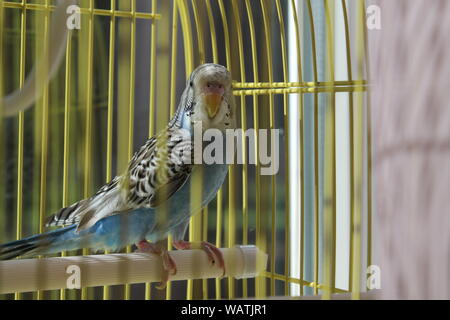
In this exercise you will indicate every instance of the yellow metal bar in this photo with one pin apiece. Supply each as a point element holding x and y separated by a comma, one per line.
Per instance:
<point>130,144</point>
<point>67,110</point>
<point>300,84</point>
<point>302,282</point>
<point>172,101</point>
<point>185,19</point>
<point>219,215</point>
<point>43,104</point>
<point>174,56</point>
<point>200,36</point>
<point>87,11</point>
<point>201,56</point>
<point>237,20</point>
<point>301,148</point>
<point>287,151</point>
<point>351,142</point>
<point>260,284</point>
<point>205,238</point>
<point>123,102</point>
<point>316,152</point>
<point>196,186</point>
<point>212,28</point>
<point>299,90</point>
<point>161,75</point>
<point>20,146</point>
<point>329,207</point>
<point>132,81</point>
<point>226,33</point>
<point>267,33</point>
<point>2,131</point>
<point>109,132</point>
<point>231,168</point>
<point>88,117</point>
<point>151,124</point>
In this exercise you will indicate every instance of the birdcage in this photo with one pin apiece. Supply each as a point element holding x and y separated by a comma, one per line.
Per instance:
<point>297,65</point>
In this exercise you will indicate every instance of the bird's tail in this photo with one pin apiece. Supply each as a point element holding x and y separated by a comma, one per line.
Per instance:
<point>34,245</point>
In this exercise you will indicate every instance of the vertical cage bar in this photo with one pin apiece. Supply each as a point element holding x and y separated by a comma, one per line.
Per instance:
<point>266,23</point>
<point>20,133</point>
<point>301,144</point>
<point>205,238</point>
<point>287,153</point>
<point>237,20</point>
<point>260,281</point>
<point>199,29</point>
<point>131,104</point>
<point>123,104</point>
<point>43,105</point>
<point>329,265</point>
<point>219,215</point>
<point>316,153</point>
<point>212,28</point>
<point>197,183</point>
<point>66,152</point>
<point>201,57</point>
<point>88,117</point>
<point>231,168</point>
<point>173,64</point>
<point>110,106</point>
<point>151,125</point>
<point>351,137</point>
<point>2,128</point>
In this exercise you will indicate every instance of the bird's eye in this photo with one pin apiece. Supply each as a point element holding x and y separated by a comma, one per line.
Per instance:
<point>191,84</point>
<point>209,85</point>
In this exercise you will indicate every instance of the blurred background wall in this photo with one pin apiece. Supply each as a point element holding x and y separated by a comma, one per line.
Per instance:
<point>411,130</point>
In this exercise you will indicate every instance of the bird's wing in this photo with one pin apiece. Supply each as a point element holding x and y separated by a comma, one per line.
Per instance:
<point>72,214</point>
<point>153,175</point>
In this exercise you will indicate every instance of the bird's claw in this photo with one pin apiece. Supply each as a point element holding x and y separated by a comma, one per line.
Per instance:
<point>169,265</point>
<point>213,253</point>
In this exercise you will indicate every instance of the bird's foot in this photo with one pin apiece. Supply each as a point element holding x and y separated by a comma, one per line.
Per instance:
<point>169,265</point>
<point>213,253</point>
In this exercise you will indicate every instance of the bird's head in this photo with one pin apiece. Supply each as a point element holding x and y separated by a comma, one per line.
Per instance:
<point>210,87</point>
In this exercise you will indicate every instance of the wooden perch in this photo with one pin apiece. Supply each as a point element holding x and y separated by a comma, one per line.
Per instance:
<point>111,269</point>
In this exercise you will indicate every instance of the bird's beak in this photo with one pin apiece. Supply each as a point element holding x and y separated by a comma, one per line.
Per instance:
<point>213,101</point>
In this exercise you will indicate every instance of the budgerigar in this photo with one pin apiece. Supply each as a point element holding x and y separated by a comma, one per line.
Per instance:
<point>152,199</point>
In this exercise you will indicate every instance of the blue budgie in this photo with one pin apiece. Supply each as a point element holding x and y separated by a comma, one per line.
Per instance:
<point>152,198</point>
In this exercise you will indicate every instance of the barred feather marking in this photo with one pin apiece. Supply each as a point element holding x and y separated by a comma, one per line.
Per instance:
<point>165,170</point>
<point>71,214</point>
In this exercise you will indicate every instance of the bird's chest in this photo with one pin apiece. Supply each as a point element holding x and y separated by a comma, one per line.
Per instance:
<point>200,188</point>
